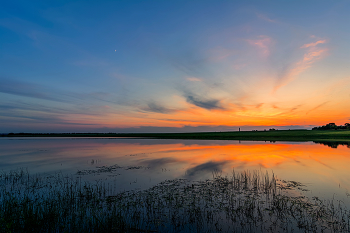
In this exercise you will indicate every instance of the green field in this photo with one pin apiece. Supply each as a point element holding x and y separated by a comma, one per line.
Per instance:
<point>277,135</point>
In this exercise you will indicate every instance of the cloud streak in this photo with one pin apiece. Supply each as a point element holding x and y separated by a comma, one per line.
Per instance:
<point>263,43</point>
<point>312,55</point>
<point>317,107</point>
<point>208,104</point>
<point>26,90</point>
<point>157,108</point>
<point>219,54</point>
<point>264,17</point>
<point>37,91</point>
<point>313,44</point>
<point>194,79</point>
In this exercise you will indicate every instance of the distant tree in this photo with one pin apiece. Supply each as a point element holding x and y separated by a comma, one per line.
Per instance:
<point>347,125</point>
<point>332,126</point>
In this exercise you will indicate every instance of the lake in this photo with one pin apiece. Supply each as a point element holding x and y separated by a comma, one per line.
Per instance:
<point>136,164</point>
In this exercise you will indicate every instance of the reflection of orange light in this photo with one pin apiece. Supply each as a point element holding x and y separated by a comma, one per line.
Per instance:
<point>265,155</point>
<point>299,161</point>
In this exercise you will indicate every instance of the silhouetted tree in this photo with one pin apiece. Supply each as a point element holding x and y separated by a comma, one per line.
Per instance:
<point>332,126</point>
<point>347,125</point>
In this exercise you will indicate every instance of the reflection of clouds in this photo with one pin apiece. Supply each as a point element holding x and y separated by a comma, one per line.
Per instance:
<point>155,163</point>
<point>262,165</point>
<point>324,164</point>
<point>299,162</point>
<point>205,168</point>
<point>243,165</point>
<point>181,150</point>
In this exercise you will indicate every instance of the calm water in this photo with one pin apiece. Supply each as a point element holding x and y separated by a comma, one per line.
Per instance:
<point>142,163</point>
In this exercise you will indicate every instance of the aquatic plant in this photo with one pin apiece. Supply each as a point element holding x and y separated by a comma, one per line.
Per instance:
<point>249,201</point>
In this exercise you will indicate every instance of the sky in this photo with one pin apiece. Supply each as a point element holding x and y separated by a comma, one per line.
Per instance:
<point>173,66</point>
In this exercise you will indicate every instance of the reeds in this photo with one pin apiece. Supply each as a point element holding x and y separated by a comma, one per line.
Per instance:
<point>248,201</point>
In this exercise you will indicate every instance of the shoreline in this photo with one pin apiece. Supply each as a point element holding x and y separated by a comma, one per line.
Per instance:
<point>276,135</point>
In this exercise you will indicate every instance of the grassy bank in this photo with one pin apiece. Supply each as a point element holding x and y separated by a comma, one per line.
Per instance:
<point>277,135</point>
<point>248,201</point>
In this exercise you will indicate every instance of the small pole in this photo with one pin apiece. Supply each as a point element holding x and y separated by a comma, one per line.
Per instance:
<point>239,129</point>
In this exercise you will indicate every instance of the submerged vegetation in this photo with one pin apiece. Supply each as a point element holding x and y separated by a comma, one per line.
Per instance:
<point>249,201</point>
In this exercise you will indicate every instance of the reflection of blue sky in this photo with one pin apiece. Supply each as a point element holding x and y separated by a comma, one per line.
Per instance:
<point>160,163</point>
<point>126,59</point>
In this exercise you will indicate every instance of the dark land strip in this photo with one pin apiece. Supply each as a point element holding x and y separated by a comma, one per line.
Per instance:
<point>275,135</point>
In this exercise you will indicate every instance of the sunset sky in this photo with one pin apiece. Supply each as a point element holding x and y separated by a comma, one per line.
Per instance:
<point>172,66</point>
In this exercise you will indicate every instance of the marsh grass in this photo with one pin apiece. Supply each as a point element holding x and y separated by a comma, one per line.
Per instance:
<point>249,201</point>
<point>112,170</point>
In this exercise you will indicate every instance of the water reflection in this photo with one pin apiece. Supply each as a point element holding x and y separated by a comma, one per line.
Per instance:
<point>142,163</point>
<point>334,144</point>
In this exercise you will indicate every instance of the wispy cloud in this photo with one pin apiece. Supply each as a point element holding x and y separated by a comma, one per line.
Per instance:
<point>263,43</point>
<point>212,96</point>
<point>156,129</point>
<point>187,60</point>
<point>266,18</point>
<point>295,108</point>
<point>313,44</point>
<point>180,120</point>
<point>312,54</point>
<point>47,93</point>
<point>157,108</point>
<point>42,118</point>
<point>317,107</point>
<point>193,79</point>
<point>27,90</point>
<point>209,104</point>
<point>259,105</point>
<point>219,53</point>
<point>239,66</point>
<point>336,86</point>
<point>48,105</point>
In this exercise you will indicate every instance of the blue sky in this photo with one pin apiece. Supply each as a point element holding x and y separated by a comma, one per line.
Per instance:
<point>174,65</point>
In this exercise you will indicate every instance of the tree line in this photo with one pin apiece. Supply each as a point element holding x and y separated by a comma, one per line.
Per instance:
<point>333,126</point>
